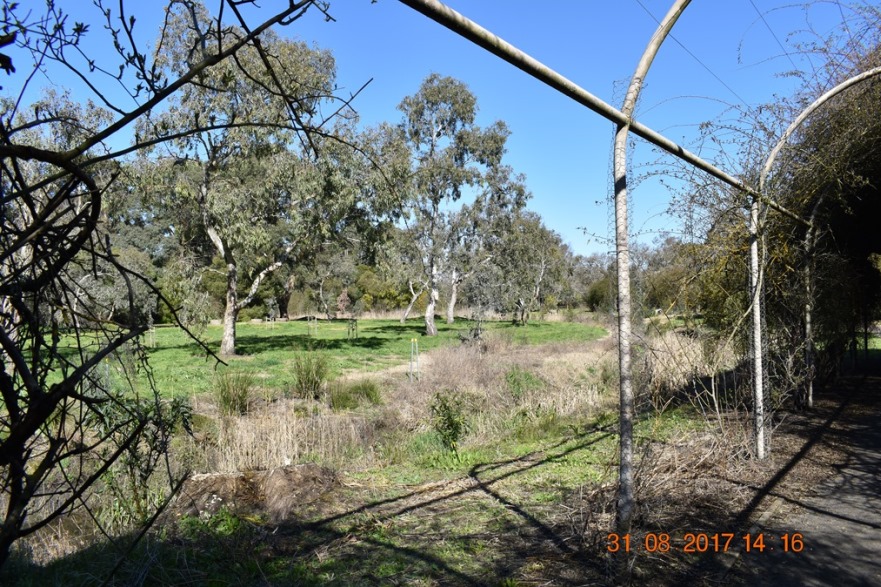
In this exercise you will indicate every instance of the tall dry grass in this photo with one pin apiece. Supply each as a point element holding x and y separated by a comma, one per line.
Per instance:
<point>679,361</point>
<point>570,381</point>
<point>282,434</point>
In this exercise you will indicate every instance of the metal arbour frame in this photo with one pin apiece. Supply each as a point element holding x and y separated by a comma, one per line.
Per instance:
<point>470,30</point>
<point>810,234</point>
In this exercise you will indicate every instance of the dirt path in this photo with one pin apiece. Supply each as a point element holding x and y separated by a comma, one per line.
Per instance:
<point>840,520</point>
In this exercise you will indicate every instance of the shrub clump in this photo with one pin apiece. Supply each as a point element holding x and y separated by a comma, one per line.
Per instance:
<point>350,395</point>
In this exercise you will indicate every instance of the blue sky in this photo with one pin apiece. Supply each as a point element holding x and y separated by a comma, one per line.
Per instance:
<point>724,52</point>
<point>562,148</point>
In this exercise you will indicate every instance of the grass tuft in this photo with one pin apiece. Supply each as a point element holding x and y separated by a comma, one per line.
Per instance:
<point>311,371</point>
<point>350,395</point>
<point>233,392</point>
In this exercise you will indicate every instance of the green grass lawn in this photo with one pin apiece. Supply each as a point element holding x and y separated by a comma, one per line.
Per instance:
<point>268,350</point>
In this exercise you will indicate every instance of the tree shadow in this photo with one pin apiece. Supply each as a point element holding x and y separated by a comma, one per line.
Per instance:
<point>525,538</point>
<point>363,544</point>
<point>839,519</point>
<point>253,345</point>
<point>409,327</point>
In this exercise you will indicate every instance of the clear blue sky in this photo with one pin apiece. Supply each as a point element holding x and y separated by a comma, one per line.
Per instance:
<point>724,52</point>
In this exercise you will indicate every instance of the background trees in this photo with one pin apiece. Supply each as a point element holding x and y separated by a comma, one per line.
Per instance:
<point>533,264</point>
<point>449,154</point>
<point>64,423</point>
<point>233,168</point>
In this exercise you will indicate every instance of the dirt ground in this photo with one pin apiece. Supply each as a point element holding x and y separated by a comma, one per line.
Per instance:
<point>840,519</point>
<point>820,487</point>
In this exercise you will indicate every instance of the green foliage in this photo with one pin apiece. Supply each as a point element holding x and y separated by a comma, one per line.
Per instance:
<point>379,293</point>
<point>521,382</point>
<point>350,395</point>
<point>600,295</point>
<point>233,392</point>
<point>311,372</point>
<point>536,426</point>
<point>223,524</point>
<point>449,420</point>
<point>532,260</point>
<point>255,311</point>
<point>182,285</point>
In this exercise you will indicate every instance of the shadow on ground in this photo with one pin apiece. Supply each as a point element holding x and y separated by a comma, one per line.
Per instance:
<point>840,521</point>
<point>467,531</point>
<point>478,529</point>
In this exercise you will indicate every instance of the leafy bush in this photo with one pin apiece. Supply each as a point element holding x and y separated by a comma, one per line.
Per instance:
<point>349,395</point>
<point>448,420</point>
<point>233,390</point>
<point>252,312</point>
<point>311,371</point>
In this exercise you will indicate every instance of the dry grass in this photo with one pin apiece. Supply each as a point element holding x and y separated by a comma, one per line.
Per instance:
<point>283,434</point>
<point>676,361</point>
<point>569,381</point>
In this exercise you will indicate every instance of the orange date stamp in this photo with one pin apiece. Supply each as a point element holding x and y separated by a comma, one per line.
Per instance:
<point>705,542</point>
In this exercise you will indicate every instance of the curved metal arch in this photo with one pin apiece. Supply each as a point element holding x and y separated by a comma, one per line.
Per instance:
<point>810,234</point>
<point>626,501</point>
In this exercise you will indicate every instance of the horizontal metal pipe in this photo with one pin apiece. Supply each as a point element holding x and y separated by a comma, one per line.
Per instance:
<point>446,16</point>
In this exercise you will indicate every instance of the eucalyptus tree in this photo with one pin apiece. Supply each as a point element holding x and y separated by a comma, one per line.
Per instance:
<point>239,177</point>
<point>534,264</point>
<point>477,231</point>
<point>64,423</point>
<point>450,153</point>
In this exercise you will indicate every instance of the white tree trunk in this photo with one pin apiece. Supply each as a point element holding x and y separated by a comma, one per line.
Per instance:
<point>231,312</point>
<point>430,327</point>
<point>454,294</point>
<point>414,295</point>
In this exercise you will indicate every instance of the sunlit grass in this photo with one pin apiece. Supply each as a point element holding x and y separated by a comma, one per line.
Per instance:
<point>268,351</point>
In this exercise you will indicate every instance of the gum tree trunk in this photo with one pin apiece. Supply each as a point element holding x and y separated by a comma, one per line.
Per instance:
<point>454,294</point>
<point>231,312</point>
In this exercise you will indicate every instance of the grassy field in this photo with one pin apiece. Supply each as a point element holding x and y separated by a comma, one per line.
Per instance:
<point>268,350</point>
<point>376,497</point>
